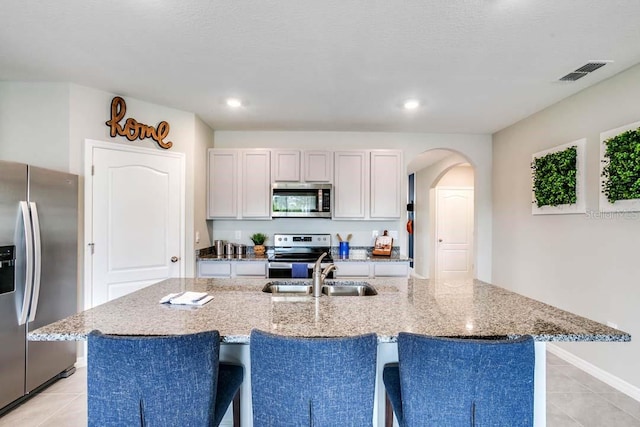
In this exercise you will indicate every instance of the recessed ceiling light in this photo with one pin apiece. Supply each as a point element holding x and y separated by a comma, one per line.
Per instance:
<point>234,103</point>
<point>411,104</point>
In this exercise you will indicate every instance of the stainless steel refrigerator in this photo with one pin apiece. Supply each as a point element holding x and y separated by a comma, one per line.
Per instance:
<point>38,275</point>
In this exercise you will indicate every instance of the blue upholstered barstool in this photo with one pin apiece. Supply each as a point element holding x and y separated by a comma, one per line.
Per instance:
<point>322,382</point>
<point>160,381</point>
<point>461,382</point>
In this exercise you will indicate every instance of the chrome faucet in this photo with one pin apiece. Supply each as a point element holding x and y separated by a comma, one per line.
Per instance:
<point>320,275</point>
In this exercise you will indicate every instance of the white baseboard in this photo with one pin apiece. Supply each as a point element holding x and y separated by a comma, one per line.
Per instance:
<point>604,376</point>
<point>81,362</point>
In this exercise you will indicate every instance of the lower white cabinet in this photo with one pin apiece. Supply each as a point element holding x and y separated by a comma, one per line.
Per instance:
<point>214,269</point>
<point>390,269</point>
<point>249,269</point>
<point>352,269</point>
<point>372,269</point>
<point>227,269</point>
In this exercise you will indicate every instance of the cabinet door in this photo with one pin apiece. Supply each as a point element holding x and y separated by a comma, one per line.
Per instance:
<point>350,186</point>
<point>222,193</point>
<point>318,166</point>
<point>390,269</point>
<point>250,268</point>
<point>286,165</point>
<point>386,181</point>
<point>352,269</point>
<point>256,184</point>
<point>214,269</point>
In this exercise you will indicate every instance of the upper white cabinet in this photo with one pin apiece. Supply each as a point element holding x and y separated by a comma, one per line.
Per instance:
<point>318,166</point>
<point>367,184</point>
<point>239,184</point>
<point>386,182</point>
<point>222,183</point>
<point>256,184</point>
<point>351,169</point>
<point>297,166</point>
<point>286,165</point>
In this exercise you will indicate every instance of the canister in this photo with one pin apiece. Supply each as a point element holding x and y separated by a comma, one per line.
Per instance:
<point>241,250</point>
<point>229,249</point>
<point>219,246</point>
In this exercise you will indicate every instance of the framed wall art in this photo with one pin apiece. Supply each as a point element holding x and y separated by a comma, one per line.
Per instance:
<point>620,169</point>
<point>558,179</point>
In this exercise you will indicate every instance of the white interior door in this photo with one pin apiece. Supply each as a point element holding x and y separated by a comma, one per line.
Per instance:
<point>454,233</point>
<point>135,217</point>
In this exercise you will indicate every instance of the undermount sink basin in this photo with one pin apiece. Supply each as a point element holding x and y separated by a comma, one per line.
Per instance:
<point>330,288</point>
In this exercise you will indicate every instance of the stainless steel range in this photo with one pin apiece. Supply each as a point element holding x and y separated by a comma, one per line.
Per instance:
<point>294,255</point>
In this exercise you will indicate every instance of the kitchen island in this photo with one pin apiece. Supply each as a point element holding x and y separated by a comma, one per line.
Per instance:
<point>451,309</point>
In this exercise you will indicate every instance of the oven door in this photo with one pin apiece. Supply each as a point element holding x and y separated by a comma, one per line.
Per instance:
<point>285,270</point>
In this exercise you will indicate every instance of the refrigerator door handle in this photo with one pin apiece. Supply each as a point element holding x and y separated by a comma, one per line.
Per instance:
<point>37,261</point>
<point>28,238</point>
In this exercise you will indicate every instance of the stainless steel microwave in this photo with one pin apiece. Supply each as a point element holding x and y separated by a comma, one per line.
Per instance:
<point>301,200</point>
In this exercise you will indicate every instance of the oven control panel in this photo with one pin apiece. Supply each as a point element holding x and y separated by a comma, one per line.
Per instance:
<point>306,240</point>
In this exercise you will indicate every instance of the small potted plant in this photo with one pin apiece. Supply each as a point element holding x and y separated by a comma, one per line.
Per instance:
<point>258,240</point>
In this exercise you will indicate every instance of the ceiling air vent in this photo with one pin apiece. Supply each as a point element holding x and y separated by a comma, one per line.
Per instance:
<point>583,71</point>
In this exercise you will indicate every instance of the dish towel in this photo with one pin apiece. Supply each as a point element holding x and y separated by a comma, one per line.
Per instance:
<point>299,271</point>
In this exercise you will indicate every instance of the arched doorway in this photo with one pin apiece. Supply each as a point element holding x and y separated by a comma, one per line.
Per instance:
<point>454,174</point>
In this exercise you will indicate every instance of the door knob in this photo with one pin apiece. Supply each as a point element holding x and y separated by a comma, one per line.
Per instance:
<point>440,240</point>
<point>175,259</point>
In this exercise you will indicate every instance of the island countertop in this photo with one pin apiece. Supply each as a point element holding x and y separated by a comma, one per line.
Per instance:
<point>468,309</point>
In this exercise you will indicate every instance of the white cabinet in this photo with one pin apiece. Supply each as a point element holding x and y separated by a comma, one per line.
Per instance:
<point>239,184</point>
<point>255,186</point>
<point>390,269</point>
<point>368,184</point>
<point>214,269</point>
<point>386,180</point>
<point>286,165</point>
<point>307,166</point>
<point>249,269</point>
<point>352,269</point>
<point>371,269</point>
<point>222,183</point>
<point>350,185</point>
<point>227,269</point>
<point>318,166</point>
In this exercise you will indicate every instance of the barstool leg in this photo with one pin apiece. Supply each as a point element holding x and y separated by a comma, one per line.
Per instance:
<point>388,411</point>
<point>236,409</point>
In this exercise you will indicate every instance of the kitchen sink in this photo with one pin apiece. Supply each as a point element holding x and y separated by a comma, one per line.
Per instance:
<point>330,288</point>
<point>288,288</point>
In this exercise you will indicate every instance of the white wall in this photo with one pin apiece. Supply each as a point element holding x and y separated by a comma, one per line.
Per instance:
<point>34,124</point>
<point>585,264</point>
<point>476,148</point>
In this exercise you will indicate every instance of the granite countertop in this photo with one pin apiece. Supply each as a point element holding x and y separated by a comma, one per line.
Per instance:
<point>464,309</point>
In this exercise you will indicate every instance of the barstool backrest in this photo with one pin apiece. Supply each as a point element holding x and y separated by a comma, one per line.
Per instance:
<point>457,382</point>
<point>312,381</point>
<point>163,380</point>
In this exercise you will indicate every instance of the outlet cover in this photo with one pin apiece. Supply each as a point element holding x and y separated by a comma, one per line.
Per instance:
<point>238,234</point>
<point>374,233</point>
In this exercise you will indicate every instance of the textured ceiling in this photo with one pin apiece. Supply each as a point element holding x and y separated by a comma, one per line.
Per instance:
<point>343,65</point>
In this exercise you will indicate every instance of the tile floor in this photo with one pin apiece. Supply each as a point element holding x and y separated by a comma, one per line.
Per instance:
<point>574,398</point>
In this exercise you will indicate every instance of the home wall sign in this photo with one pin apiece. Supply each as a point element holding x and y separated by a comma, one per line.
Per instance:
<point>132,129</point>
<point>558,179</point>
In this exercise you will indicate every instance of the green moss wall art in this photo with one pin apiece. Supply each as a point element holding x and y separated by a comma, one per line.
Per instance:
<point>620,169</point>
<point>557,179</point>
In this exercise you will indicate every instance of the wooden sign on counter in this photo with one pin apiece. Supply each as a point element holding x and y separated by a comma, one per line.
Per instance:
<point>132,129</point>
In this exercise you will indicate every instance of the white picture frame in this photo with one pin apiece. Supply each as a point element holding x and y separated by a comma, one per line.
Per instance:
<point>575,208</point>
<point>631,205</point>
